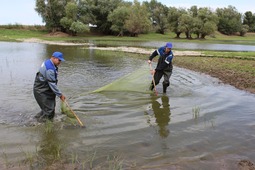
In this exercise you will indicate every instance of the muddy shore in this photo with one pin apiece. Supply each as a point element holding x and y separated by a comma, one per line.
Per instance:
<point>185,59</point>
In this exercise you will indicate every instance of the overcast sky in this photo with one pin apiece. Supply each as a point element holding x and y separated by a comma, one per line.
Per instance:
<point>22,11</point>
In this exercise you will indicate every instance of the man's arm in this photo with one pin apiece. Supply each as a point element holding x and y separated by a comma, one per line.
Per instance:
<point>50,76</point>
<point>154,54</point>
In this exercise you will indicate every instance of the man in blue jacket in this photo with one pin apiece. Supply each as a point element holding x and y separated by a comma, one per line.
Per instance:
<point>45,87</point>
<point>164,66</point>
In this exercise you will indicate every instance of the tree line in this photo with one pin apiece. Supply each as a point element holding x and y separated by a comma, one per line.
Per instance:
<point>118,17</point>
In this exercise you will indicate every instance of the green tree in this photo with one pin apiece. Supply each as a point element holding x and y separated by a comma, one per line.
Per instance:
<point>197,23</point>
<point>78,27</point>
<point>208,20</point>
<point>51,12</point>
<point>118,18</point>
<point>249,19</point>
<point>244,30</point>
<point>173,19</point>
<point>229,20</point>
<point>138,21</point>
<point>70,21</point>
<point>158,15</point>
<point>193,11</point>
<point>209,28</point>
<point>197,26</point>
<point>186,24</point>
<point>100,9</point>
<point>85,13</point>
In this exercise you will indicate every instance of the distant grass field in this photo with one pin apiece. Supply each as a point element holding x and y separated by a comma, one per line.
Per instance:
<point>14,32</point>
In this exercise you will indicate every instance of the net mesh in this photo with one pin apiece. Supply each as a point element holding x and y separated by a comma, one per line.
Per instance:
<point>66,110</point>
<point>70,119</point>
<point>137,81</point>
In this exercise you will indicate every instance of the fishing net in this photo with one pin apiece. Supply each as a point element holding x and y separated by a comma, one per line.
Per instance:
<point>66,110</point>
<point>137,81</point>
<point>70,118</point>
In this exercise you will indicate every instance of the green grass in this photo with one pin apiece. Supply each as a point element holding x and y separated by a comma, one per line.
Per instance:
<point>236,72</point>
<point>14,32</point>
<point>196,111</point>
<point>244,55</point>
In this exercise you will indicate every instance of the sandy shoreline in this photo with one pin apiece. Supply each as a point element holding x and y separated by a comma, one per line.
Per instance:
<point>36,40</point>
<point>146,51</point>
<point>123,48</point>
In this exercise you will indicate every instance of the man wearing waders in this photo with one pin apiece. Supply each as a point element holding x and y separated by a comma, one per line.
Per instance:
<point>164,66</point>
<point>46,89</point>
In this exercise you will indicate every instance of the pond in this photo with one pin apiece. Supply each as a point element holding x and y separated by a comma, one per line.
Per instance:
<point>199,123</point>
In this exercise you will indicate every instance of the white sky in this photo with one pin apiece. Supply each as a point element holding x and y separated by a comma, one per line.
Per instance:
<point>22,11</point>
<point>241,5</point>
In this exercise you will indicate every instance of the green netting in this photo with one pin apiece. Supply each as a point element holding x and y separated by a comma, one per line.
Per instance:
<point>66,110</point>
<point>137,81</point>
<point>70,119</point>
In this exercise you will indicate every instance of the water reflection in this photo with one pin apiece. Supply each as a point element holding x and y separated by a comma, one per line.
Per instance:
<point>162,113</point>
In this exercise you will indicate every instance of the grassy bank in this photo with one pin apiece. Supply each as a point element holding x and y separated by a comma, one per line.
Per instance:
<point>22,32</point>
<point>236,72</point>
<point>235,68</point>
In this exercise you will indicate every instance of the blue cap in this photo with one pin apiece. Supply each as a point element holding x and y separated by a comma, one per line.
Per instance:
<point>58,55</point>
<point>169,45</point>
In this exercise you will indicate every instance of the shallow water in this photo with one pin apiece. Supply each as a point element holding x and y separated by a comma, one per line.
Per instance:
<point>200,123</point>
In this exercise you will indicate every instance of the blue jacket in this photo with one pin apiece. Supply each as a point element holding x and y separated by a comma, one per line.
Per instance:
<point>48,78</point>
<point>165,59</point>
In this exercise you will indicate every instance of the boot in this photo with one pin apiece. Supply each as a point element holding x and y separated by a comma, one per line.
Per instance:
<point>164,88</point>
<point>38,115</point>
<point>44,118</point>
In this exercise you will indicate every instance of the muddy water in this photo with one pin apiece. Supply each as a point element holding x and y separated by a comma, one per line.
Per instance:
<point>200,123</point>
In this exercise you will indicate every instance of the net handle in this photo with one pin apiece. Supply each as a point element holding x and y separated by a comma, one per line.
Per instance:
<point>153,80</point>
<point>81,124</point>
